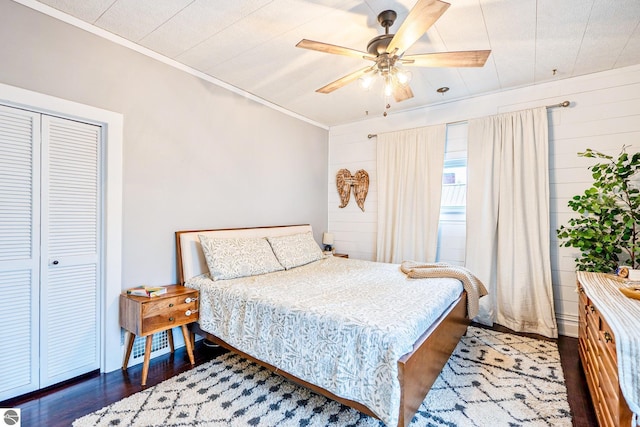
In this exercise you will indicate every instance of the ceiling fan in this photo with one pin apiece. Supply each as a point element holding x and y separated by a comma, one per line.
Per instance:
<point>387,51</point>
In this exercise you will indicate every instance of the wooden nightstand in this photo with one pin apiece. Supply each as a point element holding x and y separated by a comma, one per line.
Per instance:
<point>144,316</point>
<point>341,255</point>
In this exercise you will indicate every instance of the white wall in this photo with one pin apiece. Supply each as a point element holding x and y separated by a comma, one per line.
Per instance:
<point>604,115</point>
<point>194,155</point>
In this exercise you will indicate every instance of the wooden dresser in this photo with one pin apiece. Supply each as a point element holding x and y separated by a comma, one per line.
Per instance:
<point>597,346</point>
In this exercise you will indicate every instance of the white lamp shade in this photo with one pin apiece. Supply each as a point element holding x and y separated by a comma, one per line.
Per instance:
<point>327,239</point>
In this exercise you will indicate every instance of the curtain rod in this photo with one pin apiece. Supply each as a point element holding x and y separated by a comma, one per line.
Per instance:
<point>562,104</point>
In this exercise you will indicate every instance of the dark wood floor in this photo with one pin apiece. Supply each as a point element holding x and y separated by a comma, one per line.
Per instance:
<point>61,405</point>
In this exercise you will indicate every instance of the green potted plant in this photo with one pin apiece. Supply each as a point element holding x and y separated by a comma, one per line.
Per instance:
<point>607,231</point>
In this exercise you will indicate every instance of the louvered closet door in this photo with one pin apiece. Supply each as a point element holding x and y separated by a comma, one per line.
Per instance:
<point>70,273</point>
<point>19,250</point>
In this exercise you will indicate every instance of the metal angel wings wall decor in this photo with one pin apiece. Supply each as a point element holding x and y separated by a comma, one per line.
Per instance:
<point>359,182</point>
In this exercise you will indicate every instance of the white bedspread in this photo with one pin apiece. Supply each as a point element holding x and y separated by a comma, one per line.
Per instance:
<point>341,324</point>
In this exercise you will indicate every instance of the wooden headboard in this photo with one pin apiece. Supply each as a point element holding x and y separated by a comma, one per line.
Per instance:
<point>191,261</point>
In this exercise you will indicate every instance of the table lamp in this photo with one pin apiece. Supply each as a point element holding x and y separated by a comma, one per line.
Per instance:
<point>327,241</point>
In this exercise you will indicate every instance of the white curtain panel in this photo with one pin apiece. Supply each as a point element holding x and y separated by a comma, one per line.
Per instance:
<point>508,231</point>
<point>409,175</point>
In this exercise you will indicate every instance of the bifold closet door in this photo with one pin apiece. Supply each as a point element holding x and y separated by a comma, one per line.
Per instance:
<point>19,251</point>
<point>50,229</point>
<point>70,250</point>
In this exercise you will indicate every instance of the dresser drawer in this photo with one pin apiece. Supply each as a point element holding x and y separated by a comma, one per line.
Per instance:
<point>606,336</point>
<point>583,299</point>
<point>582,348</point>
<point>607,365</point>
<point>593,331</point>
<point>609,392</point>
<point>604,417</point>
<point>592,363</point>
<point>582,320</point>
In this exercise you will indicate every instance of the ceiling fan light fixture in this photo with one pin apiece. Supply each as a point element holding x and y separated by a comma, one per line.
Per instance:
<point>366,81</point>
<point>403,76</point>
<point>388,86</point>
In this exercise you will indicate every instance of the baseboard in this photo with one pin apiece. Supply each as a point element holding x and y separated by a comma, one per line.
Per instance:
<point>567,325</point>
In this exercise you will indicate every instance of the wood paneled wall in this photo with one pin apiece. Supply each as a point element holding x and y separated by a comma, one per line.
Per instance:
<point>604,115</point>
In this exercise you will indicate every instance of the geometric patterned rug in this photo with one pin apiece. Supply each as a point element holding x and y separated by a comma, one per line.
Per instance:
<point>492,379</point>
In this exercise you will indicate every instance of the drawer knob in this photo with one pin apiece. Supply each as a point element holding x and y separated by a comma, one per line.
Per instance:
<point>608,337</point>
<point>188,313</point>
<point>593,309</point>
<point>171,319</point>
<point>190,299</point>
<point>171,305</point>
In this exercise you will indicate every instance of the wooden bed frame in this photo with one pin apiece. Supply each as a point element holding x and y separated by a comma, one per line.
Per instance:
<point>417,370</point>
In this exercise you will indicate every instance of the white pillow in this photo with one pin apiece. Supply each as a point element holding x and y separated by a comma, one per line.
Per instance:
<point>294,250</point>
<point>238,257</point>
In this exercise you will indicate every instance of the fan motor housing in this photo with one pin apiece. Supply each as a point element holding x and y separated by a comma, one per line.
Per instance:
<point>378,44</point>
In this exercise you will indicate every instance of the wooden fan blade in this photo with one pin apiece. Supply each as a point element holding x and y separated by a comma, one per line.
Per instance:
<point>331,48</point>
<point>343,81</point>
<point>468,58</point>
<point>423,15</point>
<point>402,92</point>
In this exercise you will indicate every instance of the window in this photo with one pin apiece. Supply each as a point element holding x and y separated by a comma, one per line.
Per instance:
<point>452,223</point>
<point>454,190</point>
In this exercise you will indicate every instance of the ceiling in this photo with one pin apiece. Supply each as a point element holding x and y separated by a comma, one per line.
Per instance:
<point>250,44</point>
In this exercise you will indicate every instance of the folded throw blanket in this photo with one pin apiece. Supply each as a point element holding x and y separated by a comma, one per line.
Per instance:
<point>474,287</point>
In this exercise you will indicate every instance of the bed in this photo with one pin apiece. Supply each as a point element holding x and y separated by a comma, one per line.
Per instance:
<point>399,350</point>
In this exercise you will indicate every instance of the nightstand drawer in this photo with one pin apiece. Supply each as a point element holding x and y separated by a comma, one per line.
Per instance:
<point>148,315</point>
<point>169,312</point>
